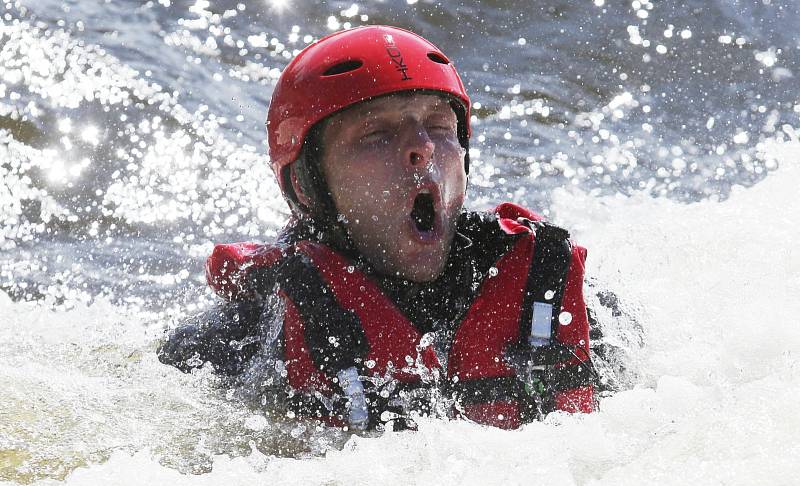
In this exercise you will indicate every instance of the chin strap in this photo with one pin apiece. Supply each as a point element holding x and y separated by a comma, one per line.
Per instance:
<point>321,220</point>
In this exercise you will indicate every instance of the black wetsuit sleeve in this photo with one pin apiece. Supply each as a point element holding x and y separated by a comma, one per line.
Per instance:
<point>225,336</point>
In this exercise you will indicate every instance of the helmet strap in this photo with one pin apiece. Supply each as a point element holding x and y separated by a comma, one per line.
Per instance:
<point>320,217</point>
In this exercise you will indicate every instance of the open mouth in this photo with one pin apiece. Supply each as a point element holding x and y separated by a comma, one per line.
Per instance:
<point>423,213</point>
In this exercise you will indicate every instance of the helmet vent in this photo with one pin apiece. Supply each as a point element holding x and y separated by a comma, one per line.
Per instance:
<point>436,57</point>
<point>343,67</point>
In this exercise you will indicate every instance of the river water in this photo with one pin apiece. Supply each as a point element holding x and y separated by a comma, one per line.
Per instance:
<point>662,133</point>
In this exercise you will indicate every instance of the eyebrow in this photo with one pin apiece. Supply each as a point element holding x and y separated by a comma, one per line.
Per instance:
<point>383,101</point>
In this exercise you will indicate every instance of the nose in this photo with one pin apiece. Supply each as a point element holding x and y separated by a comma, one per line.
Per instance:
<point>419,149</point>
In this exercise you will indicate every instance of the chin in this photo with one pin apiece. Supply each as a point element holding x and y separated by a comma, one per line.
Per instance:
<point>410,260</point>
<point>423,268</point>
<point>422,275</point>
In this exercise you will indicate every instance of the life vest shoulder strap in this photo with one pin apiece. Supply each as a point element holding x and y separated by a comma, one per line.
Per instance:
<point>548,270</point>
<point>547,278</point>
<point>555,280</point>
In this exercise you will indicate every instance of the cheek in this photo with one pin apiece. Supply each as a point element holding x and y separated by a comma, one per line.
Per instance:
<point>454,177</point>
<point>363,182</point>
<point>454,200</point>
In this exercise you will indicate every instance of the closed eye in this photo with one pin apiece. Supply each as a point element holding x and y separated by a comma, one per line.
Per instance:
<point>441,123</point>
<point>441,129</point>
<point>375,135</point>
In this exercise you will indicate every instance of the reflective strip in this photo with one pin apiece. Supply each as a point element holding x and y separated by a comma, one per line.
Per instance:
<point>541,326</point>
<point>354,391</point>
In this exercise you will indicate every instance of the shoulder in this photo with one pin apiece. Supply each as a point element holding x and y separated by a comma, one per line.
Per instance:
<point>242,271</point>
<point>509,210</point>
<point>499,227</point>
<point>230,267</point>
<point>501,223</point>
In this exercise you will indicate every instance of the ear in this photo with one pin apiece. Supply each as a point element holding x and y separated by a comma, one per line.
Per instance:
<point>302,197</point>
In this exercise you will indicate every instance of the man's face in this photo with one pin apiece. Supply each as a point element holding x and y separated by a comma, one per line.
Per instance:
<point>395,169</point>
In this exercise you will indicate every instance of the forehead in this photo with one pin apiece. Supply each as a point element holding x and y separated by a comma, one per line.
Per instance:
<point>399,104</point>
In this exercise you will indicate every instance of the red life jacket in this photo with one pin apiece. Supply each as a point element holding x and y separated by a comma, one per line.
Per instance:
<point>499,317</point>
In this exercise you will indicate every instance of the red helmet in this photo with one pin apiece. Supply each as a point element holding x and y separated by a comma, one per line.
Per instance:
<point>346,68</point>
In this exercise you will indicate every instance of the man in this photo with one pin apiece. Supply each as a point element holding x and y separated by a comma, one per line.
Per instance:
<point>382,296</point>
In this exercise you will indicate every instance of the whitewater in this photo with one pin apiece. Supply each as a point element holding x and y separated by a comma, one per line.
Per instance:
<point>716,286</point>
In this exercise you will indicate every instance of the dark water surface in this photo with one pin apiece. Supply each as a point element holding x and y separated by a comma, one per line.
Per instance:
<point>132,134</point>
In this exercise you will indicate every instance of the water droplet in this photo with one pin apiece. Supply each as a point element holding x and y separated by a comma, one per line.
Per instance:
<point>427,339</point>
<point>280,367</point>
<point>351,269</point>
<point>370,363</point>
<point>297,431</point>
<point>549,295</point>
<point>564,318</point>
<point>493,271</point>
<point>255,423</point>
